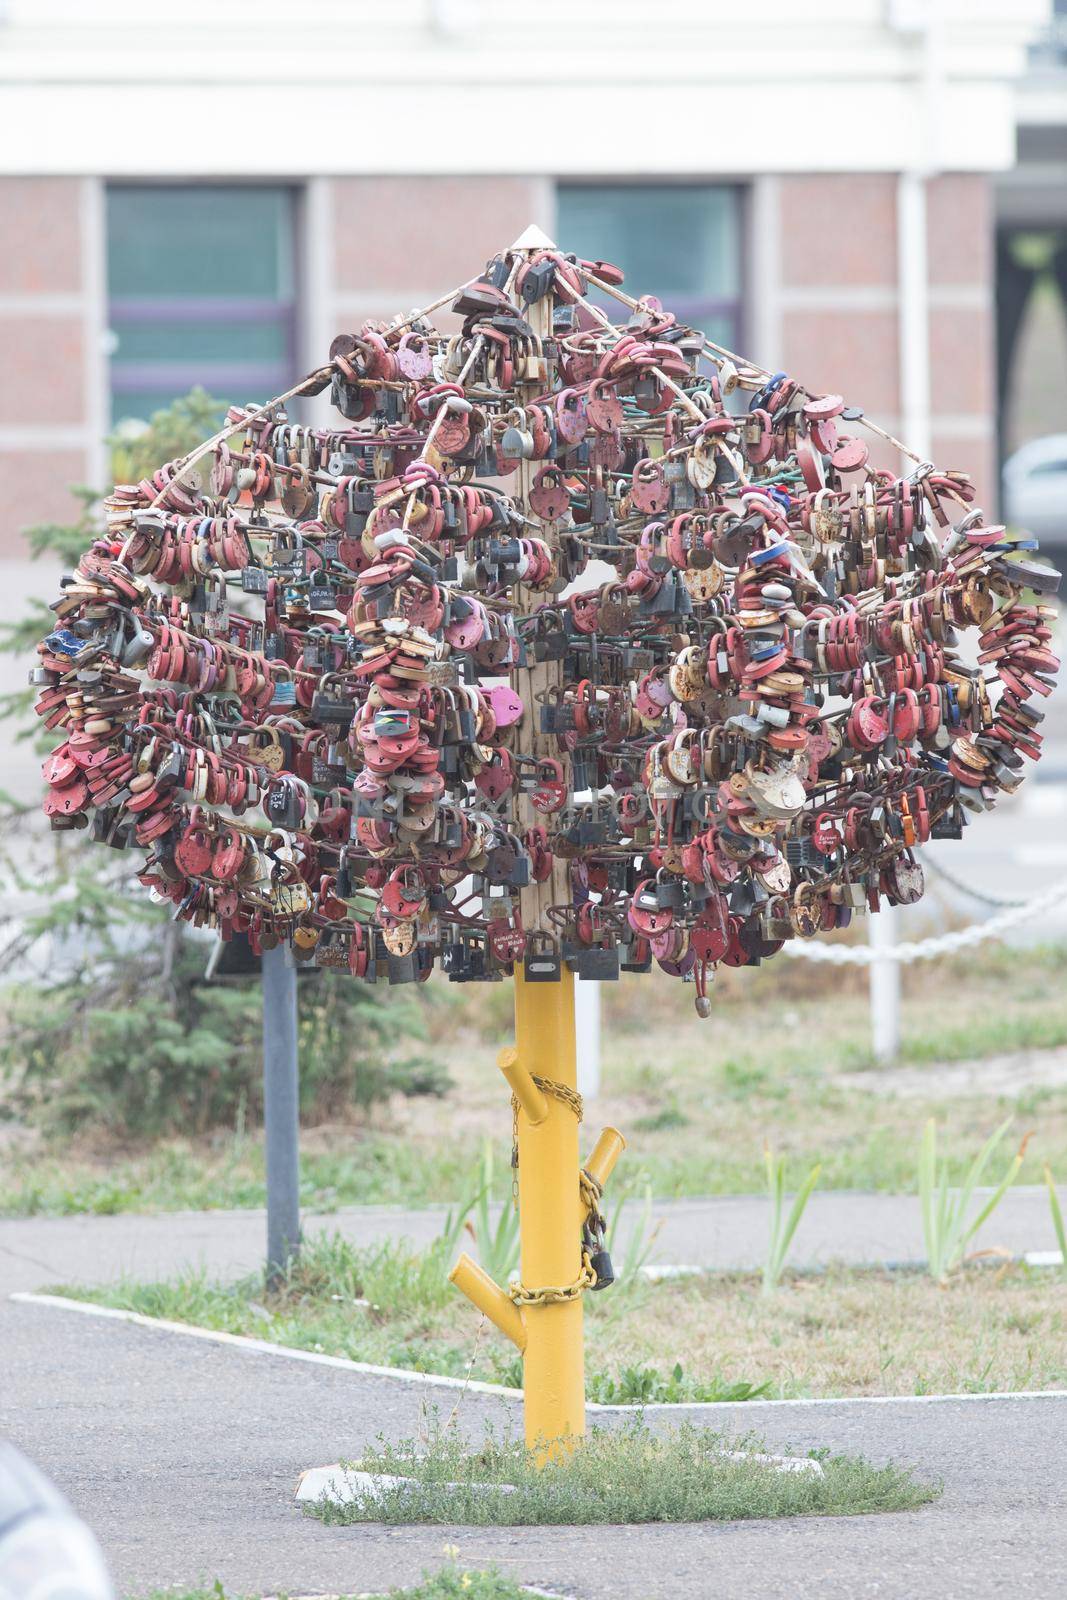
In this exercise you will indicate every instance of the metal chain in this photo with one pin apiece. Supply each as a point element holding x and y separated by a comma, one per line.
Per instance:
<point>944,944</point>
<point>590,1192</point>
<point>588,1188</point>
<point>551,1295</point>
<point>560,1091</point>
<point>981,895</point>
<point>514,1153</point>
<point>564,1092</point>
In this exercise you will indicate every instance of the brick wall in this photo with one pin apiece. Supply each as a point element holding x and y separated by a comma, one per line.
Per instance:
<point>838,305</point>
<point>46,314</point>
<point>439,232</point>
<point>822,264</point>
<point>382,244</point>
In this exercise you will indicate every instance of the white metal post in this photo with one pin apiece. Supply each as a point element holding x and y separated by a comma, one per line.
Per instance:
<point>913,333</point>
<point>587,1037</point>
<point>885,989</point>
<point>914,338</point>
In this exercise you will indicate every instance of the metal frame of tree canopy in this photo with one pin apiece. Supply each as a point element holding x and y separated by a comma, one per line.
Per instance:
<point>424,736</point>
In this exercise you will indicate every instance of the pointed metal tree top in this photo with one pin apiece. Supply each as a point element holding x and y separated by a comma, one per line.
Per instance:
<point>533,238</point>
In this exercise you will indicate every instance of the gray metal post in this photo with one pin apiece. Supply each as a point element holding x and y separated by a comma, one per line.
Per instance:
<point>281,1109</point>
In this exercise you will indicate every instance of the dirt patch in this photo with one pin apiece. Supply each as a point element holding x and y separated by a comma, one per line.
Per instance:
<point>1002,1075</point>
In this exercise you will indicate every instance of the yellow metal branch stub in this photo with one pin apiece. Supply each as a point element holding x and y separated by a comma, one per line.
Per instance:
<point>606,1152</point>
<point>522,1085</point>
<point>489,1298</point>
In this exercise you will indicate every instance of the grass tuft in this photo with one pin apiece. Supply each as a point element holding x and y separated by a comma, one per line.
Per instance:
<point>947,1226</point>
<point>1058,1225</point>
<point>627,1474</point>
<point>782,1227</point>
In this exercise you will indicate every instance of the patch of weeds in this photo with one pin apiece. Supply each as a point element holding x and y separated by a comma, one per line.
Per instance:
<point>741,1079</point>
<point>389,1275</point>
<point>463,1583</point>
<point>452,1582</point>
<point>948,1226</point>
<point>496,1244</point>
<point>1030,1102</point>
<point>985,1035</point>
<point>386,1304</point>
<point>838,1333</point>
<point>782,1227</point>
<point>507,1370</point>
<point>667,1116</point>
<point>629,1474</point>
<point>648,1386</point>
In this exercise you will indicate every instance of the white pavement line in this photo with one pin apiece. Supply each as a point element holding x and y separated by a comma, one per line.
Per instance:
<point>835,1400</point>
<point>263,1347</point>
<point>241,1341</point>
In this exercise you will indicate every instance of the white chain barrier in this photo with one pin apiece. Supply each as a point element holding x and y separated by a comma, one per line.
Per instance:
<point>945,944</point>
<point>983,896</point>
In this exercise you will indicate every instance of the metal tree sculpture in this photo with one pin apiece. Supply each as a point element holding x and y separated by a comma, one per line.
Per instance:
<point>356,688</point>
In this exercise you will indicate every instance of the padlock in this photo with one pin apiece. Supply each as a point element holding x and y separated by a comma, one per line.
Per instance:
<point>600,1262</point>
<point>542,962</point>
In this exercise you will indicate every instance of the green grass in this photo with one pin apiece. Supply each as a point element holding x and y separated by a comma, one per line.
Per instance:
<point>785,1058</point>
<point>622,1475</point>
<point>178,1175</point>
<point>385,1305</point>
<point>463,1583</point>
<point>718,1337</point>
<point>860,1144</point>
<point>388,1305</point>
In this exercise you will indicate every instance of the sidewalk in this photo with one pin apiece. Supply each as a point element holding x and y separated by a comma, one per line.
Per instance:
<point>725,1232</point>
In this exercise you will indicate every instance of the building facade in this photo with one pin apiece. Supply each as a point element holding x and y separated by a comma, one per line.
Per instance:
<point>184,197</point>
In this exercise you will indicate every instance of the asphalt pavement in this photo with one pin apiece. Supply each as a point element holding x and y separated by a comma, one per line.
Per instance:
<point>726,1231</point>
<point>184,1457</point>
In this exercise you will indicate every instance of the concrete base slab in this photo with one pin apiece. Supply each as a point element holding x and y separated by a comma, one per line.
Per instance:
<point>342,1485</point>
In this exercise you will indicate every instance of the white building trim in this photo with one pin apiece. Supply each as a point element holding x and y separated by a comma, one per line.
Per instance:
<point>182,87</point>
<point>764,249</point>
<point>95,329</point>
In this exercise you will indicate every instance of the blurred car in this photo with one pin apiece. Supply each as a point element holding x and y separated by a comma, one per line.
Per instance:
<point>1035,491</point>
<point>46,1552</point>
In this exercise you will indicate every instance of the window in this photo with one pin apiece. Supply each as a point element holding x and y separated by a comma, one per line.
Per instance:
<point>201,291</point>
<point>681,242</point>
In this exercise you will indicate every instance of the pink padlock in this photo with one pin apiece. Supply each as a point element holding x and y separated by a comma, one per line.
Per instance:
<point>463,633</point>
<point>507,705</point>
